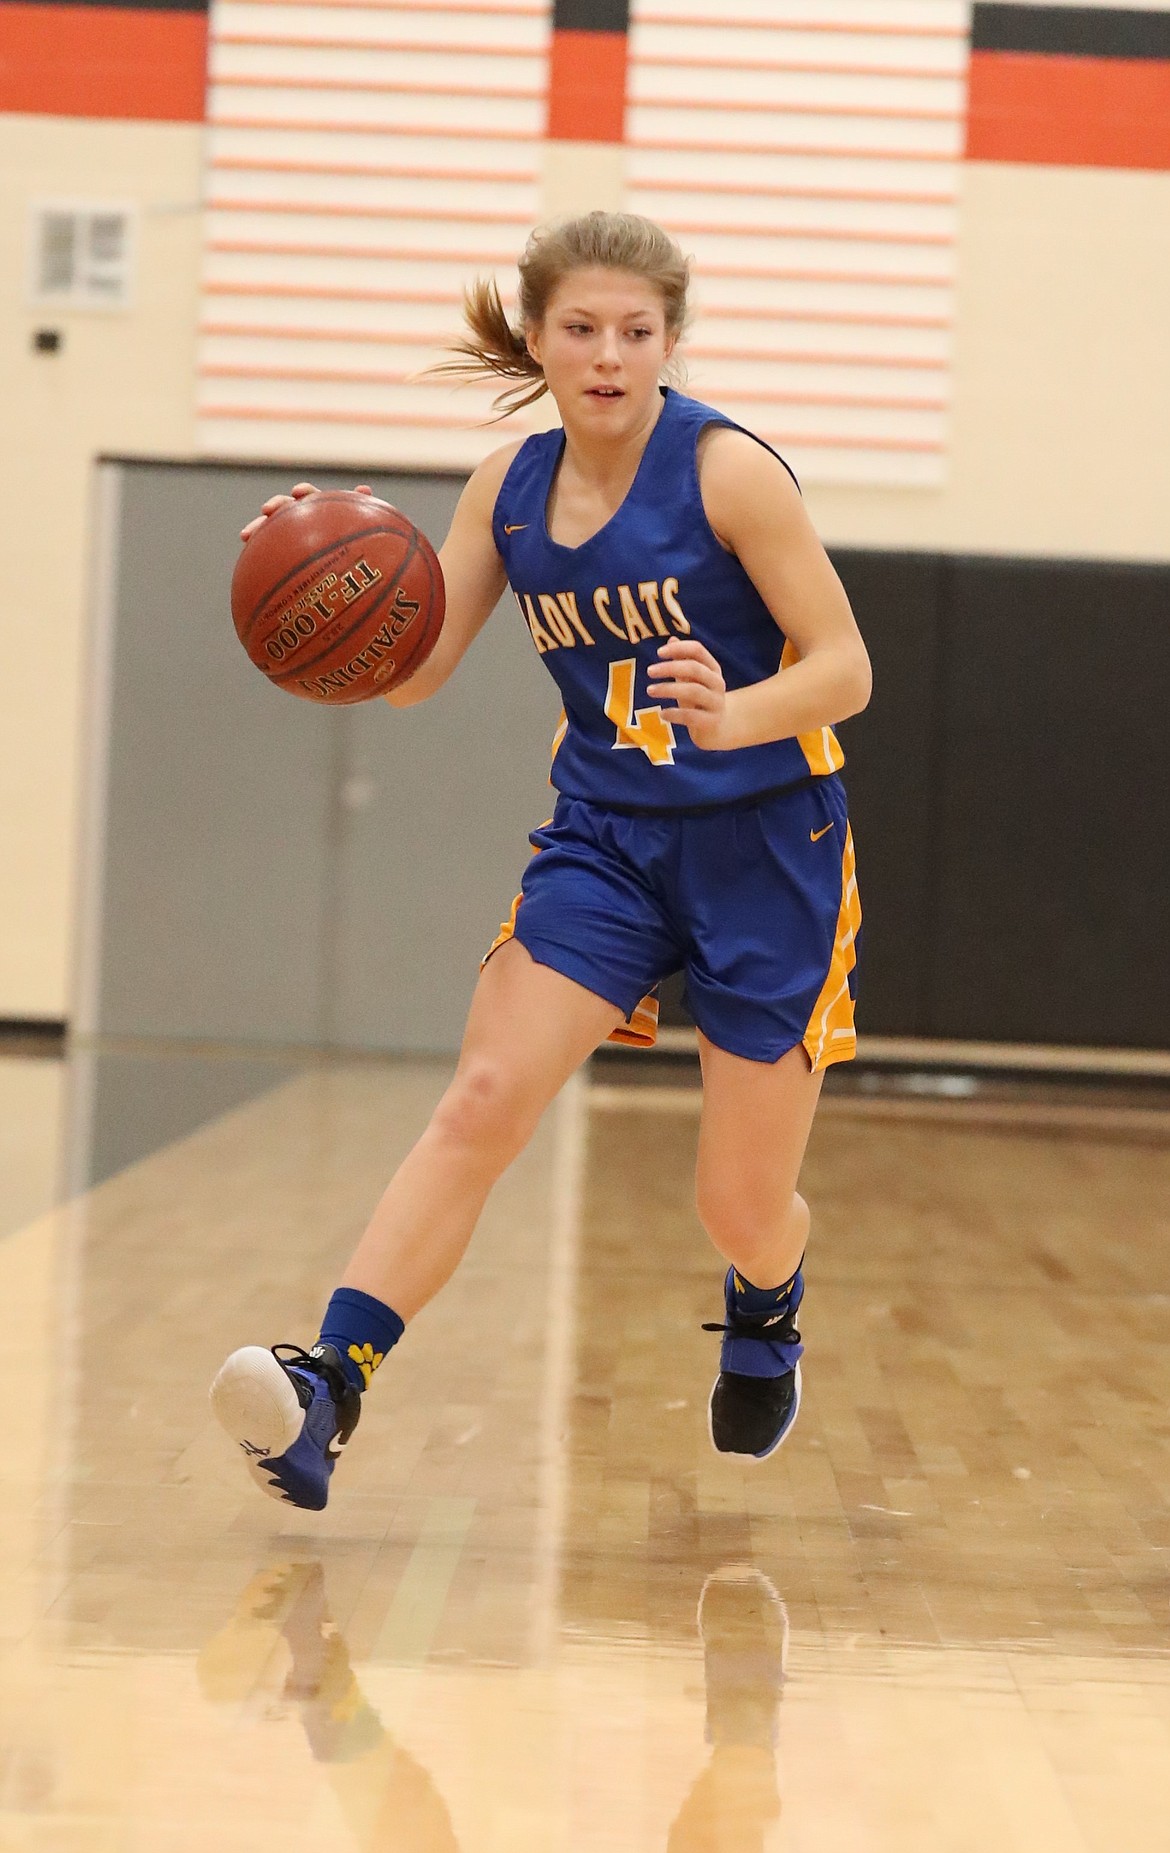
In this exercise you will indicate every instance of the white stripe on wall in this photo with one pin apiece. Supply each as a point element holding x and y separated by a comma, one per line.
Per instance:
<point>367,159</point>
<point>807,158</point>
<point>365,162</point>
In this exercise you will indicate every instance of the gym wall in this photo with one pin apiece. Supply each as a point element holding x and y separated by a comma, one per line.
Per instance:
<point>263,870</point>
<point>97,104</point>
<point>1024,278</point>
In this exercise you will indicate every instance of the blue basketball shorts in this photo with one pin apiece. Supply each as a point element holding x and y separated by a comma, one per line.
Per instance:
<point>756,904</point>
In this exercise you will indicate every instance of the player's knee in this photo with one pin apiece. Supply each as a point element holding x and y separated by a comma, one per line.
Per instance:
<point>485,1110</point>
<point>742,1222</point>
<point>723,1212</point>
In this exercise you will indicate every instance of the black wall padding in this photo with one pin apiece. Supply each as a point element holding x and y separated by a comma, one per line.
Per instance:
<point>1009,786</point>
<point>891,754</point>
<point>1071,31</point>
<point>1054,805</point>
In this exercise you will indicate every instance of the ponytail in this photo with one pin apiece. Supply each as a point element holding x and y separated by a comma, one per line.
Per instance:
<point>492,345</point>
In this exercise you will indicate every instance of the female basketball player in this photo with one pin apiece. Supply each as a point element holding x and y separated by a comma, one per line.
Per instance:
<point>703,646</point>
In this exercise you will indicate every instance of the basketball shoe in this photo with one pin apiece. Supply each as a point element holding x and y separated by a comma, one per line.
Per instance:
<point>757,1392</point>
<point>291,1415</point>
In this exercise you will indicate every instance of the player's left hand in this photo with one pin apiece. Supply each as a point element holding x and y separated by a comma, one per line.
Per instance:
<point>688,675</point>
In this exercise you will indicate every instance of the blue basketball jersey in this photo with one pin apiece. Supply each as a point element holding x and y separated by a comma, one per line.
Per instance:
<point>599,613</point>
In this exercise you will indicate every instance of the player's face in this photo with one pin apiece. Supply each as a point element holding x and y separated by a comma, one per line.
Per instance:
<point>602,345</point>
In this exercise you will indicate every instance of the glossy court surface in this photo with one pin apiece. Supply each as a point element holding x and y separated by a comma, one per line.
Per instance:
<point>540,1615</point>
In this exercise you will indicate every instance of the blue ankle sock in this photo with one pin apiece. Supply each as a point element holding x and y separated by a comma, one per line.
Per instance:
<point>786,1296</point>
<point>362,1330</point>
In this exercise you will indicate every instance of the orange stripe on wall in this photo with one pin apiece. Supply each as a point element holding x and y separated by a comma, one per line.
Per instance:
<point>130,62</point>
<point>1069,111</point>
<point>587,87</point>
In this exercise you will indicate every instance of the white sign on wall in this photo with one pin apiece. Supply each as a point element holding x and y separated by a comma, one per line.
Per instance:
<point>81,254</point>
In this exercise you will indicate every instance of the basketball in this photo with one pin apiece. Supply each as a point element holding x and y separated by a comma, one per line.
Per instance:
<point>338,597</point>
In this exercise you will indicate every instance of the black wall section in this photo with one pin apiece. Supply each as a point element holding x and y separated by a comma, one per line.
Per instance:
<point>1071,31</point>
<point>891,753</point>
<point>1054,808</point>
<point>1009,786</point>
<point>591,15</point>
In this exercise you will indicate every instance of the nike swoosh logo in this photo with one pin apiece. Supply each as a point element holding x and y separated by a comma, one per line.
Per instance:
<point>515,528</point>
<point>814,836</point>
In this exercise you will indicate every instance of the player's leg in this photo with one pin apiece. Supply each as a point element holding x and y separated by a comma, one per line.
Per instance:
<point>754,1128</point>
<point>770,897</point>
<point>528,1030</point>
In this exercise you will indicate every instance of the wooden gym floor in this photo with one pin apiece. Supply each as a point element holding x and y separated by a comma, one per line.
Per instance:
<point>936,1621</point>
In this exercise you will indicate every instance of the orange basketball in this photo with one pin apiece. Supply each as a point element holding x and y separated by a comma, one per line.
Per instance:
<point>338,597</point>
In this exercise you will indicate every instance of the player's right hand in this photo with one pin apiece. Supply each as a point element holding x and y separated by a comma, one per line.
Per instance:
<point>279,501</point>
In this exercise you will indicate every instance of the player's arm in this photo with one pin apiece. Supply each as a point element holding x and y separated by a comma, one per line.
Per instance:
<point>756,510</point>
<point>473,576</point>
<point>473,573</point>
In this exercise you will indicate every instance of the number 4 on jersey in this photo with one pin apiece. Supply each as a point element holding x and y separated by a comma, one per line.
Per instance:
<point>649,729</point>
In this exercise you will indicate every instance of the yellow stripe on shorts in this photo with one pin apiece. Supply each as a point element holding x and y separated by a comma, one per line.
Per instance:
<point>831,1036</point>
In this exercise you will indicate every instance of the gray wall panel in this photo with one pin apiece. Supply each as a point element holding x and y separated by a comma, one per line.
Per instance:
<point>437,804</point>
<point>218,797</point>
<point>273,871</point>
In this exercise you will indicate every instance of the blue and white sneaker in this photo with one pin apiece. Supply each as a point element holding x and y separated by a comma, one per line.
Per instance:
<point>757,1392</point>
<point>291,1415</point>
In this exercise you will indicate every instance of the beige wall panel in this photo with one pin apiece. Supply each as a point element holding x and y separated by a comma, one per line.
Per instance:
<point>577,177</point>
<point>365,175</point>
<point>813,174</point>
<point>1061,378</point>
<point>122,382</point>
<point>582,177</point>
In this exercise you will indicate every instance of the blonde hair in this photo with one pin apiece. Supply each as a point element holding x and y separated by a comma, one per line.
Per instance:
<point>599,240</point>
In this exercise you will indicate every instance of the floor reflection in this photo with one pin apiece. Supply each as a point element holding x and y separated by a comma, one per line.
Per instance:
<point>125,1102</point>
<point>31,1127</point>
<point>70,1121</point>
<point>282,1652</point>
<point>743,1625</point>
<point>539,1615</point>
